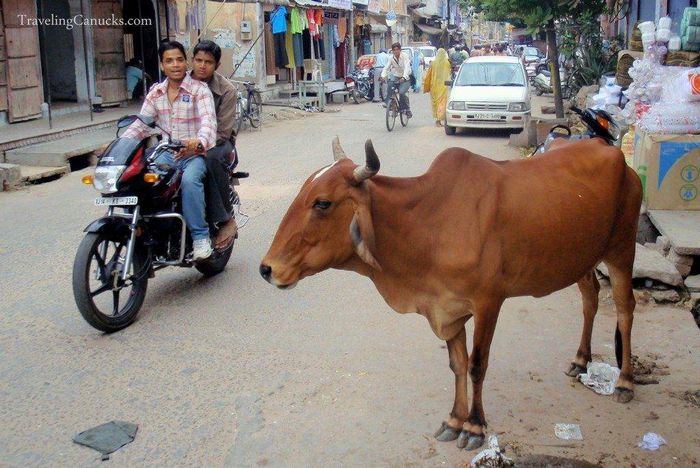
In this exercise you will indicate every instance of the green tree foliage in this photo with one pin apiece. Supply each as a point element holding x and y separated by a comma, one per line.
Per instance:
<point>544,15</point>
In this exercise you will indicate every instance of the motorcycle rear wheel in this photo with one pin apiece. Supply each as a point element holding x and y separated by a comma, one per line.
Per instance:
<point>355,95</point>
<point>90,265</point>
<point>216,263</point>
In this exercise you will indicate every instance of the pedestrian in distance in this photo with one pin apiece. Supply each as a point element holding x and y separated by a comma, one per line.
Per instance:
<point>434,83</point>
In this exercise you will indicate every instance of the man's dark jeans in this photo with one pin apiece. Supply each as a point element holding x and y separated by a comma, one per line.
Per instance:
<point>217,187</point>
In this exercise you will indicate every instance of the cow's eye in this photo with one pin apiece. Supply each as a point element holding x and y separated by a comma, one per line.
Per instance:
<point>322,204</point>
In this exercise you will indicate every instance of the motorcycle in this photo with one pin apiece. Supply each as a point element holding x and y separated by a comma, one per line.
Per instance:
<point>543,83</point>
<point>360,84</point>
<point>142,232</point>
<point>599,124</point>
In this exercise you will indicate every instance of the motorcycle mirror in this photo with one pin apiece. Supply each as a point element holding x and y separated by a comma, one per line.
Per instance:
<point>126,121</point>
<point>129,119</point>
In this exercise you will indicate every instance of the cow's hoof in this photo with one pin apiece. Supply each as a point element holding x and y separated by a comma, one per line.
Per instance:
<point>446,433</point>
<point>470,441</point>
<point>623,395</point>
<point>575,370</point>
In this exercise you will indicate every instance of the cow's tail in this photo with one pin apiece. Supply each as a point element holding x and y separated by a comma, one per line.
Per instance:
<point>618,345</point>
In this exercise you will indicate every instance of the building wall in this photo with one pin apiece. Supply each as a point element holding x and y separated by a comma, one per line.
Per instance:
<point>224,28</point>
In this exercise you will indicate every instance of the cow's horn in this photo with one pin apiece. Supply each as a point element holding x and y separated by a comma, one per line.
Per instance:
<point>371,167</point>
<point>338,152</point>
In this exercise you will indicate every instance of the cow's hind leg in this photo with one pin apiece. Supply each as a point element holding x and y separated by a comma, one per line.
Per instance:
<point>472,436</point>
<point>621,280</point>
<point>589,287</point>
<point>459,363</point>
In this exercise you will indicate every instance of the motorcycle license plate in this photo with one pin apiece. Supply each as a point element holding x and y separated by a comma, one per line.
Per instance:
<point>487,116</point>
<point>116,201</point>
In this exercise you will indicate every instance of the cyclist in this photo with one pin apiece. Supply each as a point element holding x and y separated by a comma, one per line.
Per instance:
<point>207,57</point>
<point>398,70</point>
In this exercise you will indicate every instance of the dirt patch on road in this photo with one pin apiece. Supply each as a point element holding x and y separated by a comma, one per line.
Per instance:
<point>532,461</point>
<point>648,369</point>
<point>690,396</point>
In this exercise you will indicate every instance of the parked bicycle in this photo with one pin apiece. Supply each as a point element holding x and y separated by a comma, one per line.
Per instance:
<point>248,106</point>
<point>394,108</point>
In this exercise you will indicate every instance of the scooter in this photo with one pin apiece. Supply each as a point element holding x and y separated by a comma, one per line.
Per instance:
<point>599,124</point>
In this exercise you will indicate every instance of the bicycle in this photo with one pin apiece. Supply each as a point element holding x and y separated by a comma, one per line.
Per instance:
<point>249,106</point>
<point>393,108</point>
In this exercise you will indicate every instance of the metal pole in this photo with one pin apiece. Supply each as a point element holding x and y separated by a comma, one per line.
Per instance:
<point>352,37</point>
<point>158,28</point>
<point>143,60</point>
<point>46,62</point>
<point>167,27</point>
<point>85,54</point>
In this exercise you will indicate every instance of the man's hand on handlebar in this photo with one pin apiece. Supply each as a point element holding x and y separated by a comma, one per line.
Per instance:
<point>192,147</point>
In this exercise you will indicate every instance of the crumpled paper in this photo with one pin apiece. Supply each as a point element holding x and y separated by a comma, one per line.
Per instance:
<point>652,441</point>
<point>492,456</point>
<point>568,431</point>
<point>600,378</point>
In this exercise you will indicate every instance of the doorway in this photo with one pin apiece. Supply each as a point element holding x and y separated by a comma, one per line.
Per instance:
<point>135,35</point>
<point>57,63</point>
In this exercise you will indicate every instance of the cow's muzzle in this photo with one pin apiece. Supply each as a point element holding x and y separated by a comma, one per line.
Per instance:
<point>266,273</point>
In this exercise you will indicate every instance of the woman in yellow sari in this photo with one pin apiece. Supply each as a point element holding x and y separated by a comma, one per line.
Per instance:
<point>434,82</point>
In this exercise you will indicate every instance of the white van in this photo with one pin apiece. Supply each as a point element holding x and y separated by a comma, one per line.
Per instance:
<point>488,92</point>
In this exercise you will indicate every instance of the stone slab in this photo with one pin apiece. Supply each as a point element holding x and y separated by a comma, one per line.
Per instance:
<point>693,283</point>
<point>57,152</point>
<point>37,173</point>
<point>681,227</point>
<point>651,264</point>
<point>9,176</point>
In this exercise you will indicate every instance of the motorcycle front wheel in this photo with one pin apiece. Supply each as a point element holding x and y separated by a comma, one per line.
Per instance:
<point>105,301</point>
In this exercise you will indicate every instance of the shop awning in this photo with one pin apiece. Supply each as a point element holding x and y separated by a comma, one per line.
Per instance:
<point>428,29</point>
<point>265,2</point>
<point>415,3</point>
<point>378,28</point>
<point>423,13</point>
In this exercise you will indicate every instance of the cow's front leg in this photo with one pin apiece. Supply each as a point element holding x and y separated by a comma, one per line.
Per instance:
<point>459,363</point>
<point>473,434</point>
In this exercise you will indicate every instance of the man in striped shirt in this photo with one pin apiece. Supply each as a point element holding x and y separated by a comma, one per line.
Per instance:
<point>184,108</point>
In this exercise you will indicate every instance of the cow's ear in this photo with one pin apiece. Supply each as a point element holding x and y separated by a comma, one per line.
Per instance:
<point>362,234</point>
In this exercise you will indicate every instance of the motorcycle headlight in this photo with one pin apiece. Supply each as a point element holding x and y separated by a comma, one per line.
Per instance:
<point>106,178</point>
<point>517,107</point>
<point>457,105</point>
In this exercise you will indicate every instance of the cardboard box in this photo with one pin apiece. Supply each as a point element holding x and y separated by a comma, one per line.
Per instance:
<point>669,166</point>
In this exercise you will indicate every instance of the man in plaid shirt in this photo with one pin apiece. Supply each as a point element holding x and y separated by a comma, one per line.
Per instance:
<point>184,108</point>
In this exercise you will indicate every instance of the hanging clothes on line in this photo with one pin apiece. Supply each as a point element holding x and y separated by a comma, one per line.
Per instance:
<point>296,30</point>
<point>289,47</point>
<point>278,18</point>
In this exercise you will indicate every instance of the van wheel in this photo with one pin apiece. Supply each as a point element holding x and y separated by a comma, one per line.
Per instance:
<point>450,130</point>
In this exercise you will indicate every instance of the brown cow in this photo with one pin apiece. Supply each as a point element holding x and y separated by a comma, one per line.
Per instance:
<point>457,241</point>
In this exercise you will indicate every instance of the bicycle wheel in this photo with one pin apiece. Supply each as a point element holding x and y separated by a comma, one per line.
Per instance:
<point>404,118</point>
<point>391,110</point>
<point>255,111</point>
<point>239,116</point>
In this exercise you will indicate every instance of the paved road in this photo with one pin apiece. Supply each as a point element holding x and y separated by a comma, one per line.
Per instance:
<point>230,371</point>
